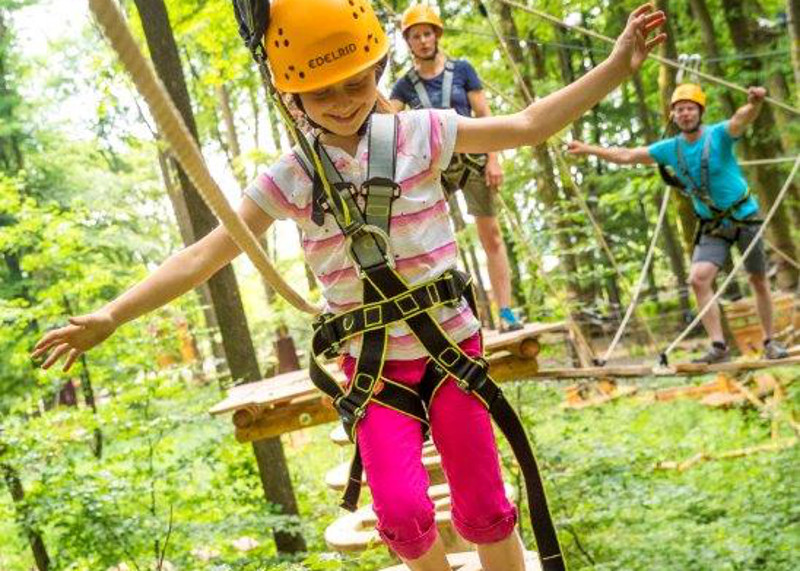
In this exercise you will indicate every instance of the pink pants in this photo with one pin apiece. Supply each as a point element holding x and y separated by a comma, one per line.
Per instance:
<point>391,448</point>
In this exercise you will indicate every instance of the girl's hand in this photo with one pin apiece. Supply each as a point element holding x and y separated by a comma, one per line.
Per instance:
<point>83,333</point>
<point>633,46</point>
<point>577,148</point>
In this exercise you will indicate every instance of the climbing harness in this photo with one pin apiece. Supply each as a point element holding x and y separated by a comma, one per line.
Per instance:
<point>363,215</point>
<point>388,300</point>
<point>721,218</point>
<point>466,163</point>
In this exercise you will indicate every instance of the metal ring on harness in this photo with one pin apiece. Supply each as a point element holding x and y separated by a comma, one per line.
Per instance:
<point>370,229</point>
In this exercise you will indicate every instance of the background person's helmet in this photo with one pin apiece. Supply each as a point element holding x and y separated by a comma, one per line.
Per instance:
<point>420,14</point>
<point>312,44</point>
<point>688,92</point>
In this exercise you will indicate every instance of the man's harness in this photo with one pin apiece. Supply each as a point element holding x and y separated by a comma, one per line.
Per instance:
<point>471,163</point>
<point>721,218</point>
<point>389,299</point>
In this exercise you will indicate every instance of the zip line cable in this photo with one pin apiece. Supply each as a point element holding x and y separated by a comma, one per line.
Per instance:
<point>739,264</point>
<point>666,61</point>
<point>185,148</point>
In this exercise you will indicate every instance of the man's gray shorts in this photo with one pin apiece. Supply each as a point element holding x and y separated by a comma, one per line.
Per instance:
<point>716,248</point>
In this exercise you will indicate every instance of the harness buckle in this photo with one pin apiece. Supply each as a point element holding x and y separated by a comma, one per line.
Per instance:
<point>381,182</point>
<point>474,376</point>
<point>348,412</point>
<point>324,327</point>
<point>455,284</point>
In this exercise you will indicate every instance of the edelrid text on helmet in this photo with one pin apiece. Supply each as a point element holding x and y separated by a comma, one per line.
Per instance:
<point>313,44</point>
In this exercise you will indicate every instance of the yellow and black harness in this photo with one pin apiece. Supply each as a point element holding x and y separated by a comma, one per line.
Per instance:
<point>389,299</point>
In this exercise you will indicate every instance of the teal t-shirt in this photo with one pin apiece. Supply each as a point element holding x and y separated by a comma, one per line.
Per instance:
<point>726,179</point>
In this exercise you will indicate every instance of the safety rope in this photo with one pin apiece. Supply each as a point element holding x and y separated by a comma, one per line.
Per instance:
<point>666,61</point>
<point>170,123</point>
<point>791,261</point>
<point>662,215</point>
<point>739,264</point>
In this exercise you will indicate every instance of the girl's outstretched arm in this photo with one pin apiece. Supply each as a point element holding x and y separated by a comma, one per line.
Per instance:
<point>179,273</point>
<point>545,117</point>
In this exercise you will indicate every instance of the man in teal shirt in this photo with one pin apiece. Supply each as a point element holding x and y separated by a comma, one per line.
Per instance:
<point>703,161</point>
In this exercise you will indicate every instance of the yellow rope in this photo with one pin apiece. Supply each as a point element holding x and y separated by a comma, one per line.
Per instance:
<point>185,147</point>
<point>666,61</point>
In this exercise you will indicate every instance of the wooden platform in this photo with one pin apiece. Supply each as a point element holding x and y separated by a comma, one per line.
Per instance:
<point>469,562</point>
<point>290,401</point>
<point>677,370</point>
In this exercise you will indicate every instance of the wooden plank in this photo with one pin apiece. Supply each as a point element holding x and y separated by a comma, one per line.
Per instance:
<point>679,370</point>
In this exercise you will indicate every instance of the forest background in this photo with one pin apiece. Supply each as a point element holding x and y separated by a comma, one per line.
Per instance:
<point>118,464</point>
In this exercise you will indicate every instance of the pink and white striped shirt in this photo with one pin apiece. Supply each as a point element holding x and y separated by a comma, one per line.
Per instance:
<point>420,232</point>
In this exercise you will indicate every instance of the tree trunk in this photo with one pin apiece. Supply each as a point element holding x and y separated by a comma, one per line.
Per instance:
<point>766,144</point>
<point>666,84</point>
<point>546,180</point>
<point>671,239</point>
<point>236,340</point>
<point>203,291</point>
<point>23,516</point>
<point>793,11</point>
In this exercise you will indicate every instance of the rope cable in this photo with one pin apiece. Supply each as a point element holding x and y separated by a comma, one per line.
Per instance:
<point>186,149</point>
<point>564,168</point>
<point>739,264</point>
<point>666,61</point>
<point>642,277</point>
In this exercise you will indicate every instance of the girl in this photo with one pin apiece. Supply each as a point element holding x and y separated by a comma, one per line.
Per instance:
<point>329,54</point>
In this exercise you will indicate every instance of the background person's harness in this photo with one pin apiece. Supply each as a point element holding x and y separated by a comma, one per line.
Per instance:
<point>389,299</point>
<point>721,218</point>
<point>471,163</point>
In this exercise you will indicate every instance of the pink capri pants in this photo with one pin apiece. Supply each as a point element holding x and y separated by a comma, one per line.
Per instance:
<point>391,448</point>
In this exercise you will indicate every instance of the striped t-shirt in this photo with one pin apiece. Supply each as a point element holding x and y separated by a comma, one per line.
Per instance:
<point>421,237</point>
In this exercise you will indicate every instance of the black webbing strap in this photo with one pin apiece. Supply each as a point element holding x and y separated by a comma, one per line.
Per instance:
<point>331,330</point>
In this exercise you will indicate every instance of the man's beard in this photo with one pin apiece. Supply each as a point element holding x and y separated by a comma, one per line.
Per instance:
<point>694,129</point>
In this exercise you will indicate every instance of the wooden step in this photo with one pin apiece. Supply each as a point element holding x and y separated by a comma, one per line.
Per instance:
<point>356,531</point>
<point>469,562</point>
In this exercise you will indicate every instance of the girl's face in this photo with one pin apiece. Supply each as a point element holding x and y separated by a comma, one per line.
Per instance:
<point>343,107</point>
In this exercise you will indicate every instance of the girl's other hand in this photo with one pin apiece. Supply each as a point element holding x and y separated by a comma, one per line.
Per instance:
<point>82,333</point>
<point>633,46</point>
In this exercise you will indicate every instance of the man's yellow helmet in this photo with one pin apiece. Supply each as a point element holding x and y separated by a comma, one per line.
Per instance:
<point>420,14</point>
<point>312,44</point>
<point>688,92</point>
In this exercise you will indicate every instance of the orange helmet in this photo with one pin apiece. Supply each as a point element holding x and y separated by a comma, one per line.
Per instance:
<point>420,14</point>
<point>688,92</point>
<point>312,44</point>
